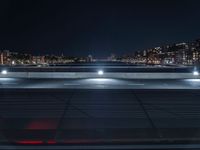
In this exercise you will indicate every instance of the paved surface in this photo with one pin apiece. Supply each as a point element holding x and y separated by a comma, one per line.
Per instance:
<point>95,68</point>
<point>99,83</point>
<point>74,116</point>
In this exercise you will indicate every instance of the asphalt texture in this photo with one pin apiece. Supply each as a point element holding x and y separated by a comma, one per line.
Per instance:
<point>98,83</point>
<point>89,116</point>
<point>106,68</point>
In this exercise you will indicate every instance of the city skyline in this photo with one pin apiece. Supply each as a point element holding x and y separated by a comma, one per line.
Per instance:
<point>185,53</point>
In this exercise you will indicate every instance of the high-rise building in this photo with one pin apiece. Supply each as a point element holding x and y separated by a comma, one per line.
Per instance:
<point>89,58</point>
<point>6,54</point>
<point>1,58</point>
<point>5,57</point>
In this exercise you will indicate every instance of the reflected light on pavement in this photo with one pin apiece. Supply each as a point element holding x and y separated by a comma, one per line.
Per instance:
<point>100,81</point>
<point>192,80</point>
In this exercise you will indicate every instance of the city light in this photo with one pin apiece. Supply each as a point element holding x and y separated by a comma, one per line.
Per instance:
<point>195,73</point>
<point>4,72</point>
<point>13,62</point>
<point>100,72</point>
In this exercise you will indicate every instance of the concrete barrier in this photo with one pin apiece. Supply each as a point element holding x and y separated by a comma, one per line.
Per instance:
<point>79,75</point>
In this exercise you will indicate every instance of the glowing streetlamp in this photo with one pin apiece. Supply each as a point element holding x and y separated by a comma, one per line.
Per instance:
<point>100,72</point>
<point>195,73</point>
<point>4,72</point>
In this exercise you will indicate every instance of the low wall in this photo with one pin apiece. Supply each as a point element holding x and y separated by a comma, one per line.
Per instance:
<point>74,75</point>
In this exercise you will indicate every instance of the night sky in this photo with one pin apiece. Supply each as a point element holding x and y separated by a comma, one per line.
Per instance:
<point>97,27</point>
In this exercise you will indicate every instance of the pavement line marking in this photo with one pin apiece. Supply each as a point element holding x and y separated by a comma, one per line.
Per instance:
<point>71,84</point>
<point>136,84</point>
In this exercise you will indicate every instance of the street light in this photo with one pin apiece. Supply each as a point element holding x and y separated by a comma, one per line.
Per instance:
<point>4,72</point>
<point>195,73</point>
<point>100,72</point>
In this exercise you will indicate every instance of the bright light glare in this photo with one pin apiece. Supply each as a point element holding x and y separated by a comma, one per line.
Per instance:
<point>195,73</point>
<point>4,72</point>
<point>100,72</point>
<point>192,80</point>
<point>99,81</point>
<point>95,80</point>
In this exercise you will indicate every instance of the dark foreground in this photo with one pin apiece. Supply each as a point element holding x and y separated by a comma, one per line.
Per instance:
<point>99,116</point>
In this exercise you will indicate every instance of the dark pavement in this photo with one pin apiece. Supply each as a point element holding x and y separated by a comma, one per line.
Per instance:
<point>95,68</point>
<point>98,83</point>
<point>75,116</point>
